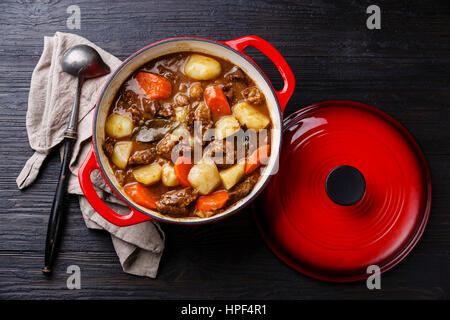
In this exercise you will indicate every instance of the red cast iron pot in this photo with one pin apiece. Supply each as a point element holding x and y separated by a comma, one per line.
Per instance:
<point>233,51</point>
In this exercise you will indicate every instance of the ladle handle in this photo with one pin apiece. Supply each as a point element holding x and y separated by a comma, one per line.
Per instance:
<point>55,219</point>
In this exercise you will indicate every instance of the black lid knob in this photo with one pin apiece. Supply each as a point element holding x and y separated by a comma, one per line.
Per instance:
<point>345,185</point>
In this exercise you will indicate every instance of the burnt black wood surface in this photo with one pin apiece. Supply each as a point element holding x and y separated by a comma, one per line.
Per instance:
<point>402,69</point>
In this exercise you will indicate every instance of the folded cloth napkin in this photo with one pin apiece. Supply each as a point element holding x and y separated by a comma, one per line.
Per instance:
<point>139,247</point>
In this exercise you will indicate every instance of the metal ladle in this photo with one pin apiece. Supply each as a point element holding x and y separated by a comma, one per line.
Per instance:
<point>83,62</point>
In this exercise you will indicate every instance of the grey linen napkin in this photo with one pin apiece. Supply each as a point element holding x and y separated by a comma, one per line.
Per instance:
<point>139,247</point>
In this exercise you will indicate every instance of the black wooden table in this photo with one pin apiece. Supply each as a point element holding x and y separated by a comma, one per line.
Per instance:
<point>403,69</point>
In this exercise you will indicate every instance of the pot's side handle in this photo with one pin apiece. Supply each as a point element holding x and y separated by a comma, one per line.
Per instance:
<point>84,177</point>
<point>266,48</point>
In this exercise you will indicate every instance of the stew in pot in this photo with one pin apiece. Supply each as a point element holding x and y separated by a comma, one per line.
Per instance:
<point>188,135</point>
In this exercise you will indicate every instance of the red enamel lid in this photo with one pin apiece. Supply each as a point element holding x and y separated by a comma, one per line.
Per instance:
<point>353,190</point>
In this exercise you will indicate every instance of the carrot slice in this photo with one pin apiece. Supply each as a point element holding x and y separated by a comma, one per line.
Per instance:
<point>258,156</point>
<point>182,167</point>
<point>141,195</point>
<point>216,100</point>
<point>213,201</point>
<point>156,87</point>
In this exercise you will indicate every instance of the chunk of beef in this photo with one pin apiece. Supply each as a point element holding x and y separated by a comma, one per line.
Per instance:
<point>190,117</point>
<point>108,146</point>
<point>143,156</point>
<point>179,198</point>
<point>242,189</point>
<point>236,74</point>
<point>181,100</point>
<point>222,152</point>
<point>150,108</point>
<point>121,104</point>
<point>202,116</point>
<point>120,176</point>
<point>143,110</point>
<point>205,135</point>
<point>175,202</point>
<point>154,108</point>
<point>166,73</point>
<point>202,112</point>
<point>196,91</point>
<point>136,115</point>
<point>171,211</point>
<point>198,111</point>
<point>129,97</point>
<point>253,95</point>
<point>165,111</point>
<point>229,92</point>
<point>166,144</point>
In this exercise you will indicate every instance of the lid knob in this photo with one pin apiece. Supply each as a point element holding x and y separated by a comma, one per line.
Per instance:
<point>345,185</point>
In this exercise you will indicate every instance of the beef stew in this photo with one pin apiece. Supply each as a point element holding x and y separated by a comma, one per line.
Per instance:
<point>188,134</point>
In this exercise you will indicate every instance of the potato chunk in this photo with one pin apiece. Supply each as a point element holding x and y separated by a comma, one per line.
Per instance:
<point>250,116</point>
<point>204,176</point>
<point>201,67</point>
<point>121,153</point>
<point>148,174</point>
<point>169,178</point>
<point>119,126</point>
<point>226,126</point>
<point>232,175</point>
